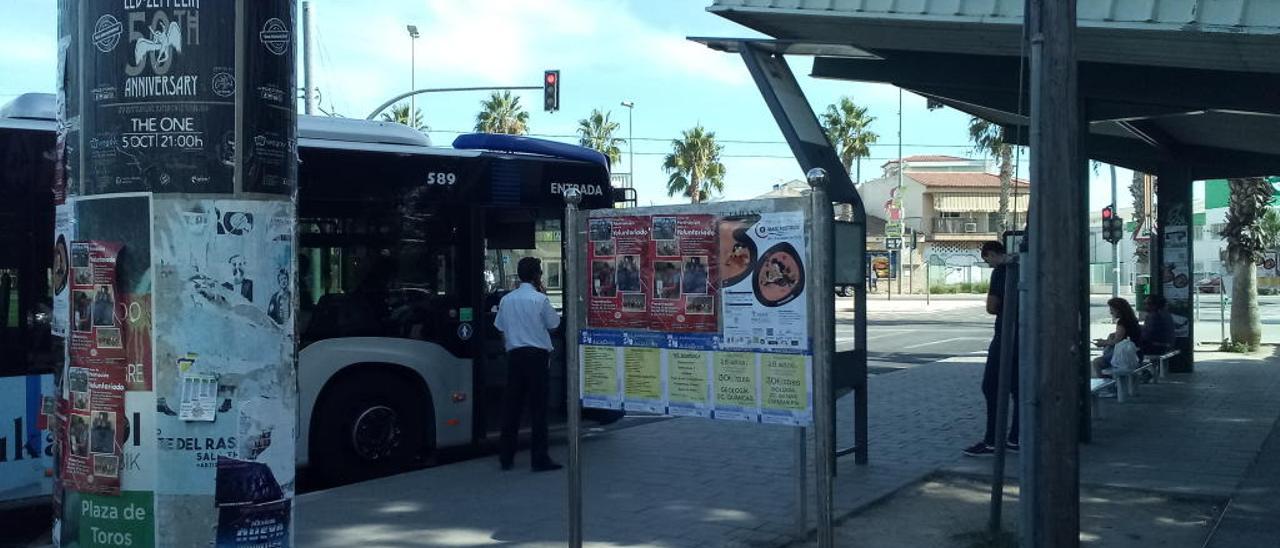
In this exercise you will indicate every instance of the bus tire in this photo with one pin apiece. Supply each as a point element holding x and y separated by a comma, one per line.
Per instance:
<point>374,424</point>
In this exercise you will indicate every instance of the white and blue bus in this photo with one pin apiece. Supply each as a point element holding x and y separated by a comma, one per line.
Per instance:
<point>404,250</point>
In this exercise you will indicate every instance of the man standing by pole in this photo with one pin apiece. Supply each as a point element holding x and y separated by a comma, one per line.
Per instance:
<point>994,254</point>
<point>525,318</point>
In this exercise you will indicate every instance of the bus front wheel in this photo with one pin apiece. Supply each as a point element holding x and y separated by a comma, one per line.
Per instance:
<point>375,425</point>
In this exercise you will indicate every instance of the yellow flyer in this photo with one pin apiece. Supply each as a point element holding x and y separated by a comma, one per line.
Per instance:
<point>784,384</point>
<point>687,383</point>
<point>642,379</point>
<point>735,386</point>
<point>600,377</point>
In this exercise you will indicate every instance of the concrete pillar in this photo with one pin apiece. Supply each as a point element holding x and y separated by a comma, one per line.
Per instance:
<point>1173,258</point>
<point>177,167</point>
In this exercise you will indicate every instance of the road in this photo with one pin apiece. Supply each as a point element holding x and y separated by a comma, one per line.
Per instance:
<point>908,336</point>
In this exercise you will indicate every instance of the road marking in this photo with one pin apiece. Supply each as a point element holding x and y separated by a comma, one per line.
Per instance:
<point>953,339</point>
<point>964,359</point>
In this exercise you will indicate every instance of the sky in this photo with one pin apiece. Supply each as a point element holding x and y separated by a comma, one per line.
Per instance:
<point>608,51</point>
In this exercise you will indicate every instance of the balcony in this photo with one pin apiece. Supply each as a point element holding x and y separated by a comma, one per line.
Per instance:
<point>981,225</point>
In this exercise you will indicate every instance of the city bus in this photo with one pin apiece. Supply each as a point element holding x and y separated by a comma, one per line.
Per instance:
<point>404,250</point>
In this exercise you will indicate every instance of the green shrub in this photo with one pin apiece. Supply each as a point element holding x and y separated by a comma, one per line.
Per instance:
<point>1239,347</point>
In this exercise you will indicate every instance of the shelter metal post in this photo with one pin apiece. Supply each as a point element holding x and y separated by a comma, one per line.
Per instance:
<point>572,308</point>
<point>1177,258</point>
<point>822,331</point>
<point>802,483</point>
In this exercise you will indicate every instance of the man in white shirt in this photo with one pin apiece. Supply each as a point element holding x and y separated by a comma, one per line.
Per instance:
<point>525,318</point>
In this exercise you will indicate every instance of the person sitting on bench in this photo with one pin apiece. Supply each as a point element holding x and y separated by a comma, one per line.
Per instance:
<point>1157,327</point>
<point>1126,328</point>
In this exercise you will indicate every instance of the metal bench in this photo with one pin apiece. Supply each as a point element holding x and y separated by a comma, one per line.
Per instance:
<point>1157,366</point>
<point>1095,390</point>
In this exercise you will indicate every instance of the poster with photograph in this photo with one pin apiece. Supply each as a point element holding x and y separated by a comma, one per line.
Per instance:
<point>95,428</point>
<point>223,274</point>
<point>61,271</point>
<point>682,254</point>
<point>618,282</point>
<point>1176,277</point>
<point>96,330</point>
<point>762,269</point>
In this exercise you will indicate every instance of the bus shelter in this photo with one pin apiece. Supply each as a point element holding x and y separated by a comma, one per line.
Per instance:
<point>1182,89</point>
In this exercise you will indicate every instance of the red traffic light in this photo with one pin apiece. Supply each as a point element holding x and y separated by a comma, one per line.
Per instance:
<point>1107,213</point>
<point>551,78</point>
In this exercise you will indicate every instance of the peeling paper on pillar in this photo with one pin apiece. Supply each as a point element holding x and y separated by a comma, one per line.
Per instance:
<point>224,307</point>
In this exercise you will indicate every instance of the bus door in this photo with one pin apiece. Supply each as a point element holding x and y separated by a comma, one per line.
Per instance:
<point>511,234</point>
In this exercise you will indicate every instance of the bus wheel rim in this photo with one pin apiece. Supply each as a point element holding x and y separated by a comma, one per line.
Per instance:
<point>376,433</point>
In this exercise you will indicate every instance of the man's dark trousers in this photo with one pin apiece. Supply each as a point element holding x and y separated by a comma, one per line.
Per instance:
<point>526,382</point>
<point>991,385</point>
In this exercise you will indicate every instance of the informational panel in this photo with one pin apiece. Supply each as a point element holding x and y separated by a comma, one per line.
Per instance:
<point>699,311</point>
<point>26,441</point>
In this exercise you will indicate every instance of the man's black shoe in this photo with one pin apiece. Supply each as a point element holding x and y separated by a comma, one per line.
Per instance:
<point>980,449</point>
<point>1012,446</point>
<point>547,466</point>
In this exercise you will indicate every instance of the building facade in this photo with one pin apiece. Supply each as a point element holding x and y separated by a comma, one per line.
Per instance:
<point>954,205</point>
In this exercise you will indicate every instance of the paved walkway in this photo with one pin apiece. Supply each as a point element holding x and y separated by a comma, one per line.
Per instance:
<point>692,482</point>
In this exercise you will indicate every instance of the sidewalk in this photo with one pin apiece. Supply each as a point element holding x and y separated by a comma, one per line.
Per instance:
<point>695,482</point>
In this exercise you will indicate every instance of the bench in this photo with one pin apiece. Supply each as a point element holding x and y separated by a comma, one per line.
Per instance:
<point>1156,365</point>
<point>1096,386</point>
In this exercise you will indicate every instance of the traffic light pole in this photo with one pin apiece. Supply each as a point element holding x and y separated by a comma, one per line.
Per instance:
<point>1115,244</point>
<point>397,98</point>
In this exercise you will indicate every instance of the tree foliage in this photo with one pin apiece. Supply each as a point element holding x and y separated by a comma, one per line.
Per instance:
<point>596,132</point>
<point>1248,204</point>
<point>502,113</point>
<point>694,166</point>
<point>989,139</point>
<point>399,114</point>
<point>848,128</point>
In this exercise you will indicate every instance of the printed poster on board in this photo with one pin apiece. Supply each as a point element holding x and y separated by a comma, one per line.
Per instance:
<point>762,276</point>
<point>96,333</point>
<point>253,511</point>
<point>1175,277</point>
<point>28,453</point>
<point>159,113</point>
<point>682,256</point>
<point>61,272</point>
<point>619,284</point>
<point>223,274</point>
<point>95,427</point>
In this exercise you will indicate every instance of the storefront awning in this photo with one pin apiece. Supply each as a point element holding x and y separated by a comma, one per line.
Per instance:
<point>964,203</point>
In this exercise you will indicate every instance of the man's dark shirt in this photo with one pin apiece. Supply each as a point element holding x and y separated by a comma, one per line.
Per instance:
<point>997,290</point>
<point>1157,331</point>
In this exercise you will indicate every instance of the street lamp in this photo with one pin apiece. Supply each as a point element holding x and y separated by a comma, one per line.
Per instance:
<point>413,43</point>
<point>631,143</point>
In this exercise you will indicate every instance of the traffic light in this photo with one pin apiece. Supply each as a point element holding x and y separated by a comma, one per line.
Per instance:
<point>551,90</point>
<point>1112,226</point>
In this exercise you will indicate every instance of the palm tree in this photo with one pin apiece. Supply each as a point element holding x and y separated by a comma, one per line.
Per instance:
<point>400,115</point>
<point>596,132</point>
<point>988,138</point>
<point>1138,190</point>
<point>1245,245</point>
<point>847,126</point>
<point>694,165</point>
<point>502,113</point>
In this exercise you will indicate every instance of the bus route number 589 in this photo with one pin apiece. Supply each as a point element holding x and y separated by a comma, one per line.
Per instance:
<point>436,178</point>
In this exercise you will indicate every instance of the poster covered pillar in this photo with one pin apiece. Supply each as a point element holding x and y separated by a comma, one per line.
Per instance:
<point>1173,274</point>
<point>176,177</point>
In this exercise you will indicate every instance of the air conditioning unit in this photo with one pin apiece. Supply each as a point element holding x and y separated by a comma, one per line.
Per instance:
<point>971,227</point>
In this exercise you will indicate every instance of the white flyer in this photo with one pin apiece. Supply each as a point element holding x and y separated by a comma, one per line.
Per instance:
<point>762,269</point>
<point>199,398</point>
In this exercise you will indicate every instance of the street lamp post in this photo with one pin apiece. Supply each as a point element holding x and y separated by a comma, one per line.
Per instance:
<point>631,144</point>
<point>413,47</point>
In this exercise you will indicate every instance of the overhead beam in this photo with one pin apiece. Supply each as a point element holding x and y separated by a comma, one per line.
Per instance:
<point>1153,135</point>
<point>1163,90</point>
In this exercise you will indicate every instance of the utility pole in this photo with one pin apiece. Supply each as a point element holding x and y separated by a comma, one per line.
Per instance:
<point>631,144</point>
<point>902,214</point>
<point>209,358</point>
<point>308,68</point>
<point>1052,354</point>
<point>1115,246</point>
<point>413,67</point>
